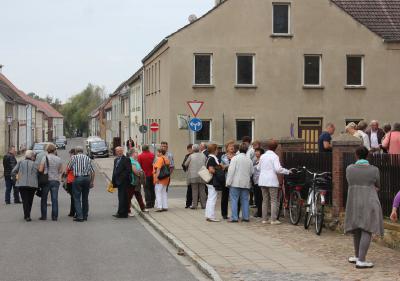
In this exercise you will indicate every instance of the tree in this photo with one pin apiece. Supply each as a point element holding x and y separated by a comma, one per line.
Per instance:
<point>77,109</point>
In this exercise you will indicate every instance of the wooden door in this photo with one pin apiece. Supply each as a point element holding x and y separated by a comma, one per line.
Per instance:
<point>310,128</point>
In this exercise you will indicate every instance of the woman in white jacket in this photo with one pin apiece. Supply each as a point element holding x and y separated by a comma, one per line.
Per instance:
<point>269,168</point>
<point>239,182</point>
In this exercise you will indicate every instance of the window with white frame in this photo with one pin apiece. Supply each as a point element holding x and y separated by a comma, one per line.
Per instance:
<point>244,128</point>
<point>281,18</point>
<point>312,70</point>
<point>203,69</point>
<point>108,115</point>
<point>355,70</point>
<point>245,69</point>
<point>204,135</point>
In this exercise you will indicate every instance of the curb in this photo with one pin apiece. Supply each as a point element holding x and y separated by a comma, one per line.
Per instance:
<point>174,241</point>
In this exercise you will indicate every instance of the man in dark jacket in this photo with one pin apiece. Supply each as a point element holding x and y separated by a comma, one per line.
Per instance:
<point>9,162</point>
<point>375,135</point>
<point>121,179</point>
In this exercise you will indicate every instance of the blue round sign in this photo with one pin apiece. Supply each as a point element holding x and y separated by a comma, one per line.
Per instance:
<point>195,124</point>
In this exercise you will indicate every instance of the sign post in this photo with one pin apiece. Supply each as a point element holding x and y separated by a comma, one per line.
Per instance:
<point>195,107</point>
<point>195,124</point>
<point>154,127</point>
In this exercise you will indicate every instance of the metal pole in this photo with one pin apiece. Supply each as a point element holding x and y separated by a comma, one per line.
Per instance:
<point>223,128</point>
<point>187,121</point>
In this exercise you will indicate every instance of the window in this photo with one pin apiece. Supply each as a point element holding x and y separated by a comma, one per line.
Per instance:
<point>205,133</point>
<point>355,70</point>
<point>281,14</point>
<point>202,69</point>
<point>244,128</point>
<point>108,115</point>
<point>312,70</point>
<point>245,70</point>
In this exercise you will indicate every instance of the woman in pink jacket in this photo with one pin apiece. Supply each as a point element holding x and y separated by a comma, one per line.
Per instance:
<point>392,140</point>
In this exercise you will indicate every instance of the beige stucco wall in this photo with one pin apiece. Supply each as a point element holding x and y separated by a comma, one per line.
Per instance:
<point>3,127</point>
<point>319,27</point>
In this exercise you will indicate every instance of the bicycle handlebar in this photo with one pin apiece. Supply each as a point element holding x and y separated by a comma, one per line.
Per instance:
<point>316,174</point>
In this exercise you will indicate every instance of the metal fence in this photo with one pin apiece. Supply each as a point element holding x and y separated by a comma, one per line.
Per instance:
<point>389,168</point>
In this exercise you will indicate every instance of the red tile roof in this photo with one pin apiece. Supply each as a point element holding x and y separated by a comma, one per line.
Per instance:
<point>46,108</point>
<point>380,16</point>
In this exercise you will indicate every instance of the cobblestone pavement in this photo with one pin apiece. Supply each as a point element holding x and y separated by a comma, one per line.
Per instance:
<point>255,251</point>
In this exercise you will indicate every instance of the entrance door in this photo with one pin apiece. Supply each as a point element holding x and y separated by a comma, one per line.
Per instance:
<point>309,129</point>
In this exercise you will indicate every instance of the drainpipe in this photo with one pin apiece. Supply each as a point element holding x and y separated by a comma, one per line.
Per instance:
<point>143,104</point>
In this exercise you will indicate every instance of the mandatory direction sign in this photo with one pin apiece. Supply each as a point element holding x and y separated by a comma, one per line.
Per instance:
<point>154,127</point>
<point>143,129</point>
<point>195,124</point>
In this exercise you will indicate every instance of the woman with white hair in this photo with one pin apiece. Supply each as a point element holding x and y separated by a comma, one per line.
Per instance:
<point>26,172</point>
<point>193,163</point>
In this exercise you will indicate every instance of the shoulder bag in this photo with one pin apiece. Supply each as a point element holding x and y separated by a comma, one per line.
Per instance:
<point>164,171</point>
<point>43,179</point>
<point>205,174</point>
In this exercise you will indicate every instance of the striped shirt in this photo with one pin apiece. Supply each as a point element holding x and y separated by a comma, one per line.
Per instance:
<point>81,165</point>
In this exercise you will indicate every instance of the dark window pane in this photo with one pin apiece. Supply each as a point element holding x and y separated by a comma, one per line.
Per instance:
<point>204,133</point>
<point>202,69</point>
<point>354,70</point>
<point>245,70</point>
<point>244,128</point>
<point>311,70</point>
<point>281,18</point>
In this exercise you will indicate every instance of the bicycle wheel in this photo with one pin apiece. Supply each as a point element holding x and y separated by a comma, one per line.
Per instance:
<point>280,202</point>
<point>295,207</point>
<point>319,214</point>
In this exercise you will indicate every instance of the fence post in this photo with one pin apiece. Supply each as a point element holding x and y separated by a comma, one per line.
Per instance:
<point>342,144</point>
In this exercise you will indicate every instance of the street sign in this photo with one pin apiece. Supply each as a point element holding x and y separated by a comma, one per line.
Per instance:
<point>154,127</point>
<point>195,106</point>
<point>195,124</point>
<point>143,129</point>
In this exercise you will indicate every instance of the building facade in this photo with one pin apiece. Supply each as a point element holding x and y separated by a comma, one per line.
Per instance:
<point>270,69</point>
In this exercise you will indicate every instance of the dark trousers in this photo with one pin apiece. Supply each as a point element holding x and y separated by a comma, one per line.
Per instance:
<point>138,195</point>
<point>27,194</point>
<point>51,187</point>
<point>258,201</point>
<point>80,193</point>
<point>72,206</point>
<point>189,196</point>
<point>224,201</point>
<point>149,193</point>
<point>10,185</point>
<point>123,204</point>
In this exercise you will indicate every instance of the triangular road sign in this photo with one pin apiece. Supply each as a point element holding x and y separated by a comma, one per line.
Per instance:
<point>195,106</point>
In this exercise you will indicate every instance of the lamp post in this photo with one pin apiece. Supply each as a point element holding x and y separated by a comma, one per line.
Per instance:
<point>9,122</point>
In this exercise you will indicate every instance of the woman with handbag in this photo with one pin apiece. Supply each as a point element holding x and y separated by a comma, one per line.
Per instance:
<point>161,174</point>
<point>27,181</point>
<point>136,184</point>
<point>215,184</point>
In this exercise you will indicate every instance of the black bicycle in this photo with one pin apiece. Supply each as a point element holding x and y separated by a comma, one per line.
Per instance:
<point>315,206</point>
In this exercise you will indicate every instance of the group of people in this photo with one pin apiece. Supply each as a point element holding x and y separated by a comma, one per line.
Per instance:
<point>42,174</point>
<point>134,170</point>
<point>374,138</point>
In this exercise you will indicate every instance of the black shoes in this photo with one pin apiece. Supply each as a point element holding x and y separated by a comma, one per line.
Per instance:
<point>78,220</point>
<point>42,218</point>
<point>18,202</point>
<point>118,216</point>
<point>28,219</point>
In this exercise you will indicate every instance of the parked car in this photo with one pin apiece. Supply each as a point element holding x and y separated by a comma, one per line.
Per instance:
<point>60,144</point>
<point>92,139</point>
<point>62,138</point>
<point>39,147</point>
<point>98,149</point>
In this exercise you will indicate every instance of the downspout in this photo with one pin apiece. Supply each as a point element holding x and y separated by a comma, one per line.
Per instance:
<point>143,104</point>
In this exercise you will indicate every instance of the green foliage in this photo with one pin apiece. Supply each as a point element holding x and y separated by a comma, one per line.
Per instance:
<point>77,109</point>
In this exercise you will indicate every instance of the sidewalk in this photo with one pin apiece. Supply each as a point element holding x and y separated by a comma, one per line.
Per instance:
<point>253,251</point>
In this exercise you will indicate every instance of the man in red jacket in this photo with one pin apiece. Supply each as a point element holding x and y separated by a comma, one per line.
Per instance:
<point>146,160</point>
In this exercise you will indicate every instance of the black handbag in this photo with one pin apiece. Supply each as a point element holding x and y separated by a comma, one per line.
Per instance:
<point>219,179</point>
<point>43,179</point>
<point>164,171</point>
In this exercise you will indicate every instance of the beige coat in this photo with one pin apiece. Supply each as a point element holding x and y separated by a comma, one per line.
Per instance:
<point>194,163</point>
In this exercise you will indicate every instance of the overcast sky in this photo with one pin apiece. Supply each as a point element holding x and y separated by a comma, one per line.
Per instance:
<point>57,47</point>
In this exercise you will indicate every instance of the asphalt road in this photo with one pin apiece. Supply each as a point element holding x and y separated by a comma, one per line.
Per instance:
<point>103,248</point>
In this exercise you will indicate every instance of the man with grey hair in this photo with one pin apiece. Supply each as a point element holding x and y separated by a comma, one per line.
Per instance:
<point>352,129</point>
<point>83,170</point>
<point>375,135</point>
<point>203,148</point>
<point>9,162</point>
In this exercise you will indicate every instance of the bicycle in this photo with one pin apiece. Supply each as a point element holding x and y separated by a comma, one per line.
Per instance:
<point>320,183</point>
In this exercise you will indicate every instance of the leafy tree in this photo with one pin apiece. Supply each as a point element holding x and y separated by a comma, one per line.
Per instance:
<point>77,109</point>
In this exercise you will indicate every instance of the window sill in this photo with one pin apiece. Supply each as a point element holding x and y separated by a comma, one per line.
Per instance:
<point>313,87</point>
<point>245,86</point>
<point>196,86</point>
<point>282,35</point>
<point>354,87</point>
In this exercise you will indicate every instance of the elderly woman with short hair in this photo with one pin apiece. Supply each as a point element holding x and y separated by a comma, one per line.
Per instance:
<point>27,181</point>
<point>193,163</point>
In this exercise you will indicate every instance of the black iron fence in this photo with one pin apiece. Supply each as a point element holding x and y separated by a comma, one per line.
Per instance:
<point>389,168</point>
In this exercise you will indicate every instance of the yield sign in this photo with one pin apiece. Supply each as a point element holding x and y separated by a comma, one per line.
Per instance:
<point>195,106</point>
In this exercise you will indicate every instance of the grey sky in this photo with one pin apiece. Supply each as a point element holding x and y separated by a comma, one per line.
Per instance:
<point>57,47</point>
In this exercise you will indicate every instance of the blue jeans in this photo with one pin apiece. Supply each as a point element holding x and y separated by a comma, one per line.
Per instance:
<point>9,186</point>
<point>80,188</point>
<point>51,187</point>
<point>243,193</point>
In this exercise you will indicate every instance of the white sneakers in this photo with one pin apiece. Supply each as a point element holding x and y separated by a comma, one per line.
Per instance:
<point>364,264</point>
<point>131,214</point>
<point>353,259</point>
<point>276,222</point>
<point>212,220</point>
